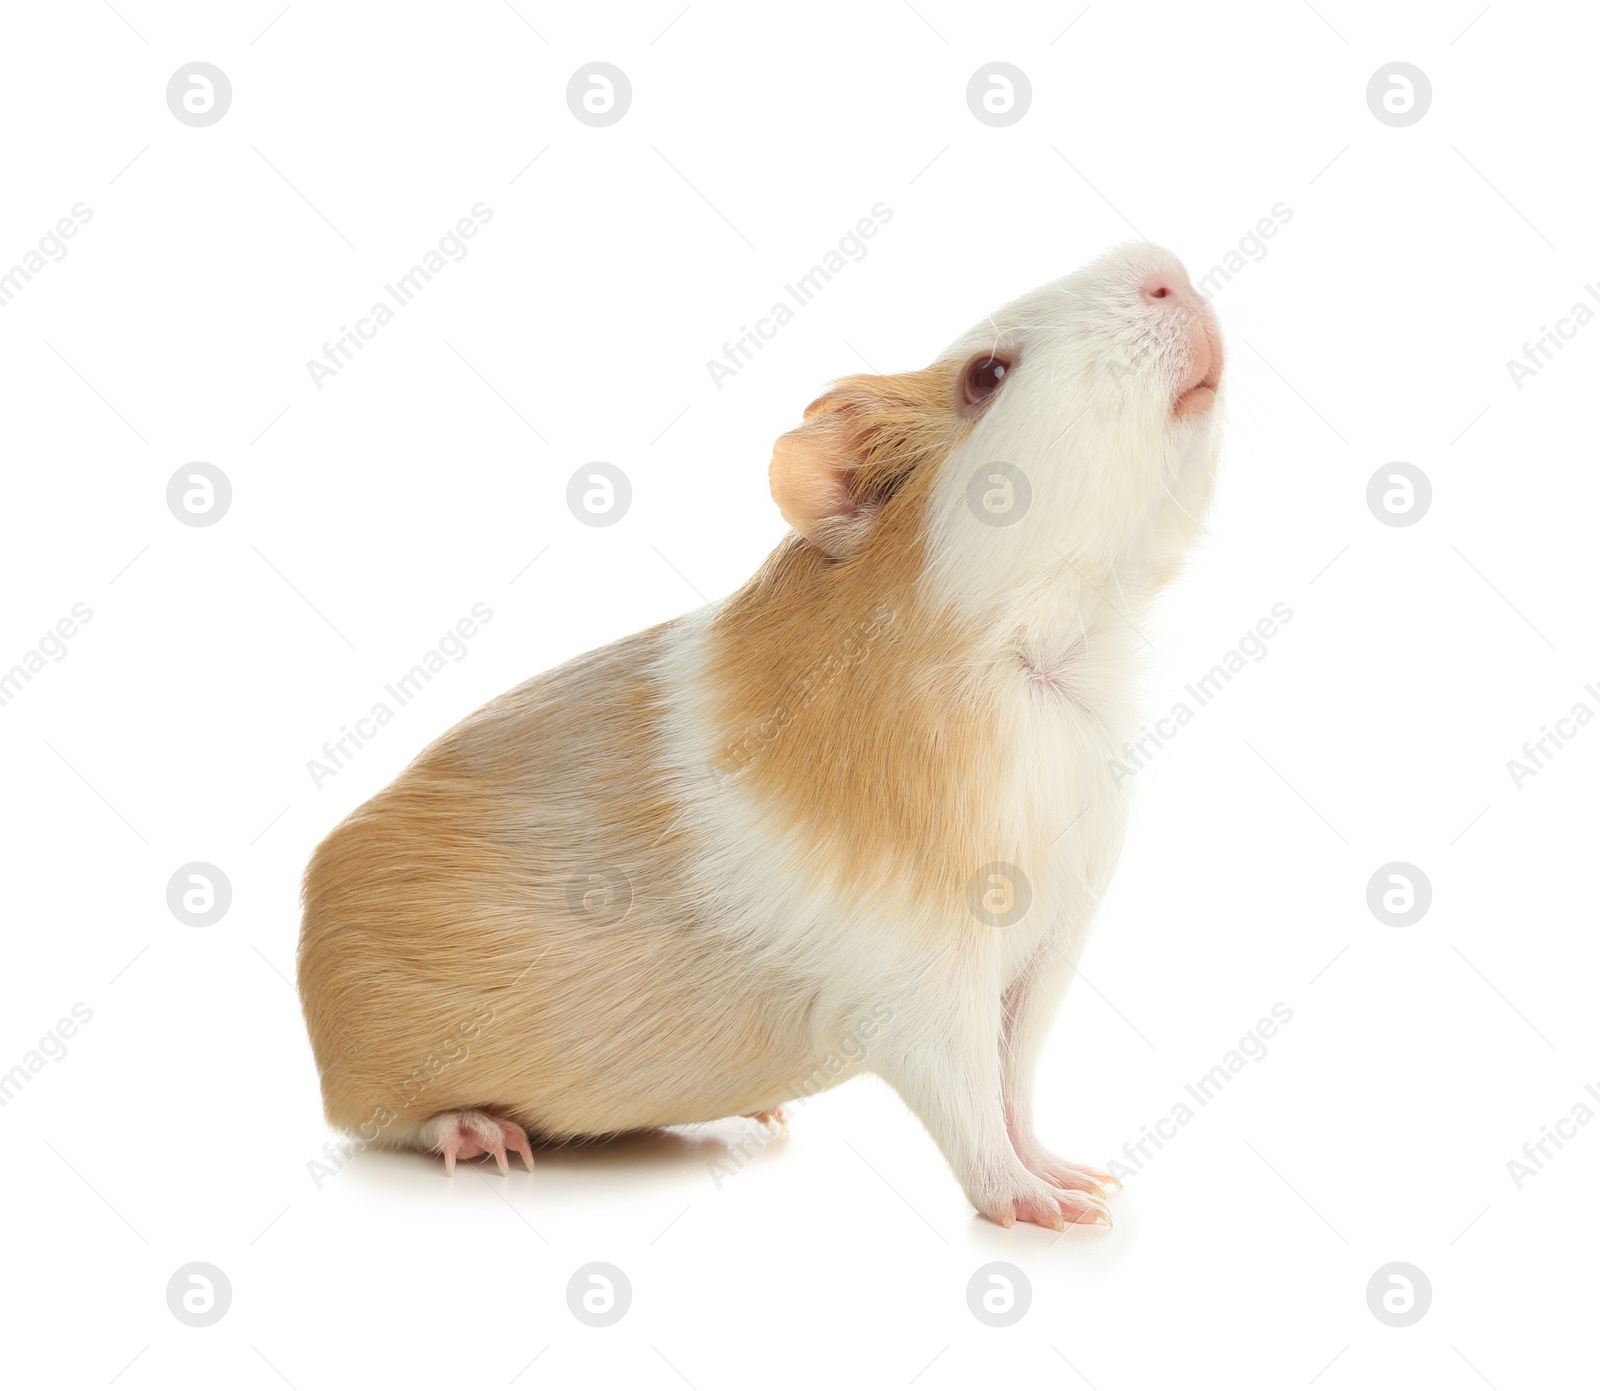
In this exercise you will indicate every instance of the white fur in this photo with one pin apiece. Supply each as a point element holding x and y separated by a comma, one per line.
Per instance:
<point>1118,485</point>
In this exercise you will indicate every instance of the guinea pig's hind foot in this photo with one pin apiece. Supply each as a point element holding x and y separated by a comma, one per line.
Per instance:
<point>773,1119</point>
<point>469,1134</point>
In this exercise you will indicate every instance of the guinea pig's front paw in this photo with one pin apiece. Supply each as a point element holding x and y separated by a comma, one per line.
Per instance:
<point>1024,1197</point>
<point>1063,1173</point>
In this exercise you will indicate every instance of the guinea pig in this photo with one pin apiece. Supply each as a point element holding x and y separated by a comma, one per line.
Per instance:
<point>855,817</point>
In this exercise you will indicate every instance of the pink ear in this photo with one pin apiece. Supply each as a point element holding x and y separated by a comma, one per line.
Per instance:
<point>810,475</point>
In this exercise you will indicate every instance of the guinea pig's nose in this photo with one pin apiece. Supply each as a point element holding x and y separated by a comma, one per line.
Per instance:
<point>1169,291</point>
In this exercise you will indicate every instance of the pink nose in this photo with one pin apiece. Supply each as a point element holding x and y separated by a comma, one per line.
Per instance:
<point>1170,292</point>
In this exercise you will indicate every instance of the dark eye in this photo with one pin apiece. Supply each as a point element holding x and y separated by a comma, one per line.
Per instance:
<point>983,378</point>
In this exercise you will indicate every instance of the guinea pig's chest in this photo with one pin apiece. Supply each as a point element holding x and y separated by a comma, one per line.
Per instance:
<point>1060,719</point>
<point>1064,709</point>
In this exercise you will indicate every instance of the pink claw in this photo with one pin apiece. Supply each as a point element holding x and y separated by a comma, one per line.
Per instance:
<point>469,1134</point>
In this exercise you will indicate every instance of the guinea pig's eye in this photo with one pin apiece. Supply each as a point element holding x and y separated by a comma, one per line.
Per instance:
<point>983,378</point>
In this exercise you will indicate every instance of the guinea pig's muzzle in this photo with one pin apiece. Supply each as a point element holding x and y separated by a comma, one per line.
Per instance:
<point>1194,326</point>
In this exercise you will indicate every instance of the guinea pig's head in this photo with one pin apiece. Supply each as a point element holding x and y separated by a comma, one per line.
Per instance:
<point>1076,427</point>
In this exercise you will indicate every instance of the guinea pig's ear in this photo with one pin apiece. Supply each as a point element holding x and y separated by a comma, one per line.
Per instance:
<point>831,475</point>
<point>811,474</point>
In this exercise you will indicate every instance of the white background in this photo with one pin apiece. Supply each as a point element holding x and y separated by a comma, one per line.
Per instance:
<point>369,515</point>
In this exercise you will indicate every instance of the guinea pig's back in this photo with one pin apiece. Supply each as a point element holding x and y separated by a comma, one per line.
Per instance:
<point>506,926</point>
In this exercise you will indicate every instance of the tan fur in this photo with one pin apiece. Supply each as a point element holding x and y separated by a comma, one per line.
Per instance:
<point>813,796</point>
<point>442,968</point>
<point>845,700</point>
